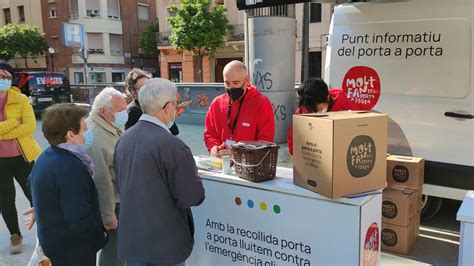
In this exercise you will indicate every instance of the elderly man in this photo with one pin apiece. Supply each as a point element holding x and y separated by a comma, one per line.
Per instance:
<point>158,183</point>
<point>105,123</point>
<point>243,113</point>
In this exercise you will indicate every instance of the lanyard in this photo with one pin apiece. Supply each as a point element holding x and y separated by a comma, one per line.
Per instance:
<point>229,109</point>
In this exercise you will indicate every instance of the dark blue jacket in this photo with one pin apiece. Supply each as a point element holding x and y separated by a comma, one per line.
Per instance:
<point>66,206</point>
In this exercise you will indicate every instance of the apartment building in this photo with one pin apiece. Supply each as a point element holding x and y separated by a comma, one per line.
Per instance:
<point>179,66</point>
<point>319,20</point>
<point>28,12</point>
<point>112,29</point>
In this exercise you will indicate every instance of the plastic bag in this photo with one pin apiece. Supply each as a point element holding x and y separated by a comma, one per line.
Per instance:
<point>38,257</point>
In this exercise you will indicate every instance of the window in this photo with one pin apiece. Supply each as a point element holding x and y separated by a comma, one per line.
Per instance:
<point>315,13</point>
<point>314,64</point>
<point>143,12</point>
<point>113,7</point>
<point>118,76</point>
<point>7,15</point>
<point>52,10</point>
<point>95,43</point>
<point>98,77</point>
<point>74,9</point>
<point>115,44</point>
<point>78,78</point>
<point>175,72</point>
<point>93,8</point>
<point>21,14</point>
<point>55,43</point>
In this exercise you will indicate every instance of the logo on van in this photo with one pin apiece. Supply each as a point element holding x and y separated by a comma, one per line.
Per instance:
<point>371,246</point>
<point>361,156</point>
<point>389,237</point>
<point>389,209</point>
<point>400,173</point>
<point>362,86</point>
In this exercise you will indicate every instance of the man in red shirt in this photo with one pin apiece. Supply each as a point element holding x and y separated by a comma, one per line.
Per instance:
<point>240,114</point>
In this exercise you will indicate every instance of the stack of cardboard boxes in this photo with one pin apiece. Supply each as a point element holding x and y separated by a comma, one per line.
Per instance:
<point>401,203</point>
<point>340,153</point>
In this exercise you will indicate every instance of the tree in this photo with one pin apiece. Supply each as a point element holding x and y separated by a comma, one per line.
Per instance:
<point>22,39</point>
<point>199,28</point>
<point>148,39</point>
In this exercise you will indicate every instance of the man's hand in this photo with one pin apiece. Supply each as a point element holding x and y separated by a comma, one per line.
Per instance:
<point>221,150</point>
<point>181,106</point>
<point>112,225</point>
<point>31,220</point>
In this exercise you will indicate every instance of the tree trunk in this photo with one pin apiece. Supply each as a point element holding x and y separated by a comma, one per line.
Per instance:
<point>197,68</point>
<point>26,62</point>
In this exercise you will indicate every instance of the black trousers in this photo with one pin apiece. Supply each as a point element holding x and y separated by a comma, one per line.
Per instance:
<point>13,167</point>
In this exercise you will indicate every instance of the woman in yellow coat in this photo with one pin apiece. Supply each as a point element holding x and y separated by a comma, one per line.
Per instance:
<point>18,150</point>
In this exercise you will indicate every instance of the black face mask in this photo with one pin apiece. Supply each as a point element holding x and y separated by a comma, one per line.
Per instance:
<point>235,93</point>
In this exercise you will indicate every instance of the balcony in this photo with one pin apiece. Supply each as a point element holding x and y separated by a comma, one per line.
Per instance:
<point>93,13</point>
<point>96,51</point>
<point>236,34</point>
<point>163,38</point>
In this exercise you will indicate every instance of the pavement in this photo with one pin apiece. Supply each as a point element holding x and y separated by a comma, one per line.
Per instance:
<point>438,243</point>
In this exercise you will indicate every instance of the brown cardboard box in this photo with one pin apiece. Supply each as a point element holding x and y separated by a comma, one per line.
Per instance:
<point>418,198</point>
<point>416,229</point>
<point>340,153</point>
<point>397,239</point>
<point>405,172</point>
<point>398,206</point>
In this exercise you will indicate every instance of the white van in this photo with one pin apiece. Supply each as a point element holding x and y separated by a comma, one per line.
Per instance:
<point>413,60</point>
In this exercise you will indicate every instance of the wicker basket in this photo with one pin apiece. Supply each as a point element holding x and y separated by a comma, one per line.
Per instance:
<point>255,160</point>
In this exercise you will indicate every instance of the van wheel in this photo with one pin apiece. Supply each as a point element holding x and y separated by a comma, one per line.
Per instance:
<point>429,207</point>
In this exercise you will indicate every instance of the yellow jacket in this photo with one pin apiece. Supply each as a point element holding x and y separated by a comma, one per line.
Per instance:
<point>18,108</point>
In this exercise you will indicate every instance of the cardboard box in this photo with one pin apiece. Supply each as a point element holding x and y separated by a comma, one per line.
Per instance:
<point>340,153</point>
<point>397,239</point>
<point>418,200</point>
<point>398,206</point>
<point>416,226</point>
<point>405,172</point>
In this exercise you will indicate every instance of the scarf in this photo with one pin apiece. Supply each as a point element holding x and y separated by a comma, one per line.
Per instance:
<point>79,152</point>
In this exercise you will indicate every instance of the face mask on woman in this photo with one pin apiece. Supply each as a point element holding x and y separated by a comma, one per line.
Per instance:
<point>5,84</point>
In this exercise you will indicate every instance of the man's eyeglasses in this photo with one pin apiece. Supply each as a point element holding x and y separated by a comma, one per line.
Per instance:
<point>5,77</point>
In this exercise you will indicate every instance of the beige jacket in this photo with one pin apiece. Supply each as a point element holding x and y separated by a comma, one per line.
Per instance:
<point>102,154</point>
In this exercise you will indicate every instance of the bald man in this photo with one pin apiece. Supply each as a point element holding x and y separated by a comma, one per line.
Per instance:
<point>240,114</point>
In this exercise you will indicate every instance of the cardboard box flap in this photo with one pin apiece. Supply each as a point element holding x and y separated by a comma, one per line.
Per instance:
<point>405,158</point>
<point>340,115</point>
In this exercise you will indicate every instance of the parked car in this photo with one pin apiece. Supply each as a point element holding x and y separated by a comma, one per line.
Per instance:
<point>43,88</point>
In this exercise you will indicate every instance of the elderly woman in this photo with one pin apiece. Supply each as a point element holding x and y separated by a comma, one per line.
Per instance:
<point>18,150</point>
<point>65,199</point>
<point>134,81</point>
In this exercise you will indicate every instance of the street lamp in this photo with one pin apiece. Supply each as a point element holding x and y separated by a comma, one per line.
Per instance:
<point>51,53</point>
<point>140,57</point>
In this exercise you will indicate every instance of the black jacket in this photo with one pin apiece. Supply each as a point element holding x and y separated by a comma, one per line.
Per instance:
<point>135,111</point>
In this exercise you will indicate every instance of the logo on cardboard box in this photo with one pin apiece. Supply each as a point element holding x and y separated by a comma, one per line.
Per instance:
<point>361,156</point>
<point>389,237</point>
<point>389,209</point>
<point>400,173</point>
<point>371,246</point>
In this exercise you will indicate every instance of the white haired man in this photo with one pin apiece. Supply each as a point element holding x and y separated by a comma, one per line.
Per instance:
<point>158,183</point>
<point>105,123</point>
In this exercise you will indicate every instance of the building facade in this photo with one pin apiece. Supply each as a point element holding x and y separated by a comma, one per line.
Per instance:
<point>27,12</point>
<point>179,66</point>
<point>112,29</point>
